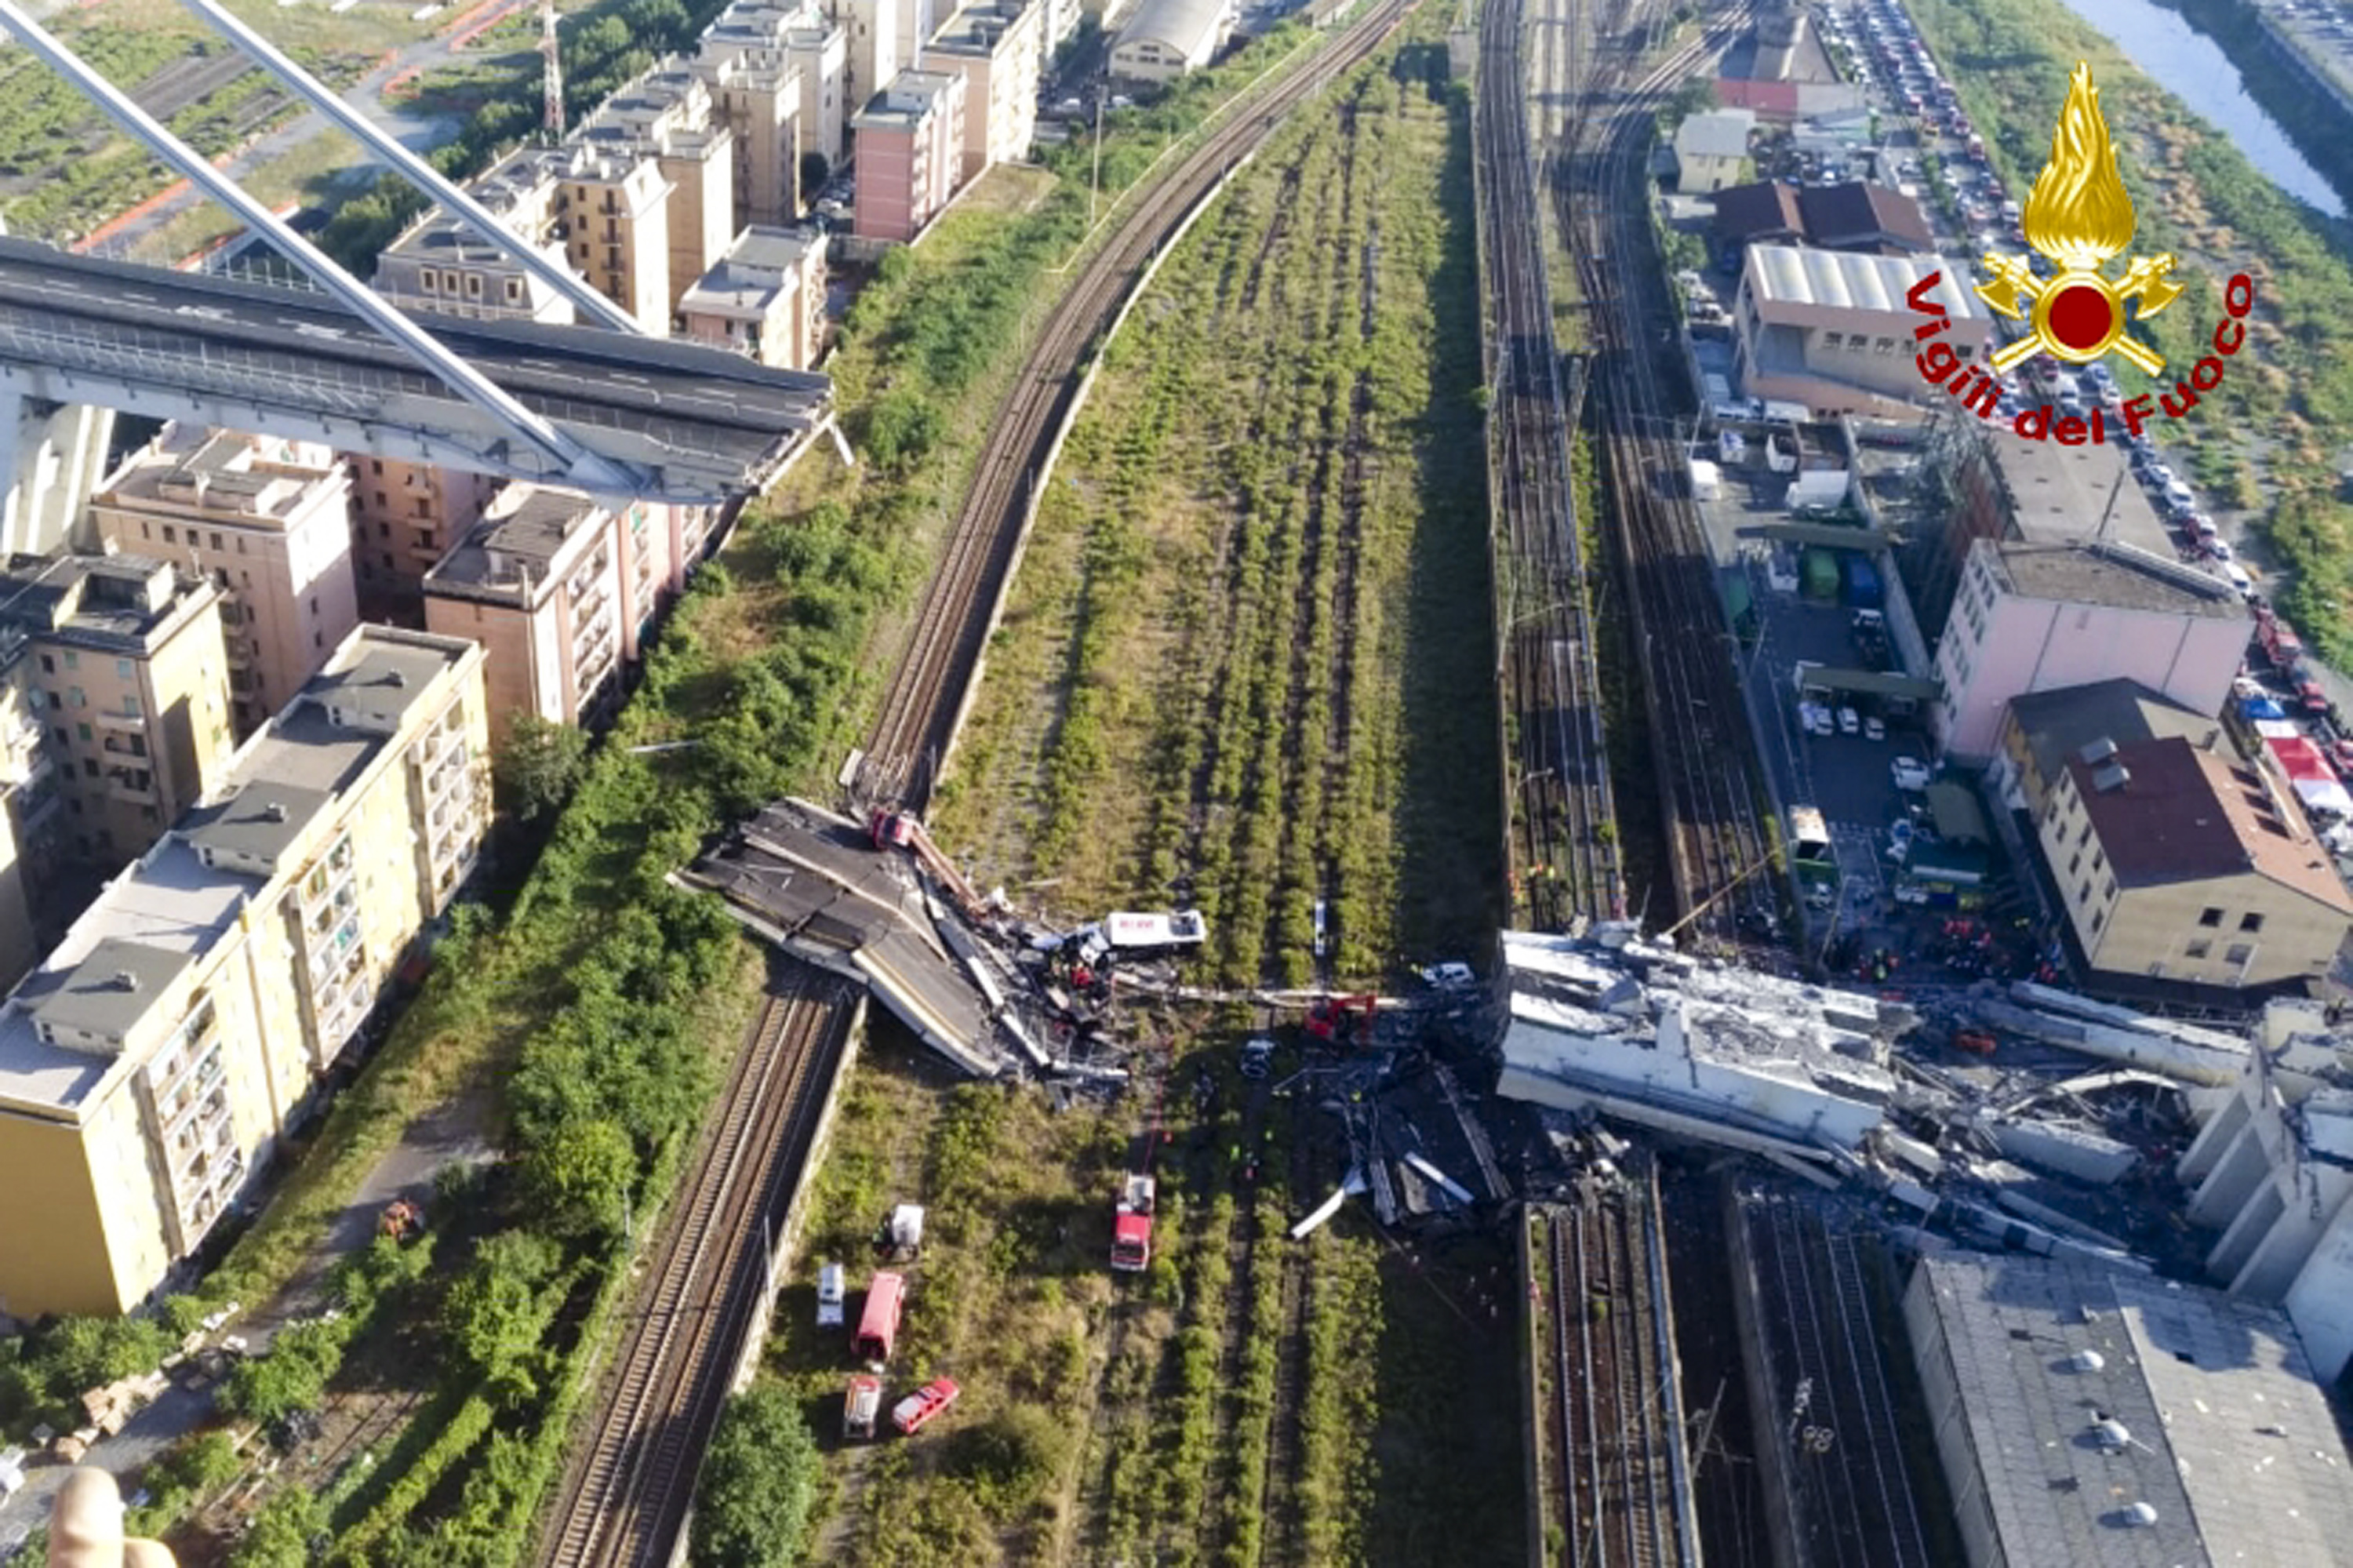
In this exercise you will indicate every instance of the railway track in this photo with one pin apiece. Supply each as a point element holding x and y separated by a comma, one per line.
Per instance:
<point>626,1494</point>
<point>1701,743</point>
<point>926,697</point>
<point>1564,843</point>
<point>625,1497</point>
<point>1611,1412</point>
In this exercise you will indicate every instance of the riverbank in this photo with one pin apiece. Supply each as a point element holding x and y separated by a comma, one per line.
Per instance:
<point>2314,123</point>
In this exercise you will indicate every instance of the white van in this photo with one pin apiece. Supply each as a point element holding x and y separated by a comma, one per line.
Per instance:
<point>830,1285</point>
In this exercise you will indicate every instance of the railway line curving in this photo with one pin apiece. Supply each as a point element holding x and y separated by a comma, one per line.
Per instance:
<point>926,699</point>
<point>626,1496</point>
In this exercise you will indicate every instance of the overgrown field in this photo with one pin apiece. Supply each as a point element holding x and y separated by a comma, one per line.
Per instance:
<point>1247,1399</point>
<point>2272,436</point>
<point>63,167</point>
<point>1248,664</point>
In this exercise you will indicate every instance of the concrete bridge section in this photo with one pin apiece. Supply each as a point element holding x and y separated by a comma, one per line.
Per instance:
<point>668,420</point>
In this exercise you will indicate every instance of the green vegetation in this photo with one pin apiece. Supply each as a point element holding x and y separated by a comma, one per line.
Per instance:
<point>68,171</point>
<point>1242,660</point>
<point>759,1479</point>
<point>2197,197</point>
<point>537,767</point>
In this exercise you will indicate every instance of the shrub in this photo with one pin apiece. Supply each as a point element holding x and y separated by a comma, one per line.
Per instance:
<point>759,1480</point>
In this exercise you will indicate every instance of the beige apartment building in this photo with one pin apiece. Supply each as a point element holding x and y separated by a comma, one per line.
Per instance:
<point>998,47</point>
<point>270,522</point>
<point>668,115</point>
<point>558,589</point>
<point>910,154</point>
<point>124,664</point>
<point>149,1067</point>
<point>2177,861</point>
<point>405,516</point>
<point>766,299</point>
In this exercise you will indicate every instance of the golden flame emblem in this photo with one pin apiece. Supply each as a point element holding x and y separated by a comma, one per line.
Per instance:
<point>2078,217</point>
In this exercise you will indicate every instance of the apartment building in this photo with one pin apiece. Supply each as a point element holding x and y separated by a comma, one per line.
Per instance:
<point>405,516</point>
<point>877,49</point>
<point>998,47</point>
<point>559,589</point>
<point>910,154</point>
<point>2036,616</point>
<point>31,825</point>
<point>668,115</point>
<point>124,663</point>
<point>2182,864</point>
<point>766,298</point>
<point>150,1064</point>
<point>270,522</point>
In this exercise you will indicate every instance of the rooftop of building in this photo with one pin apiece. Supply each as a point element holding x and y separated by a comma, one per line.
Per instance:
<point>1715,133</point>
<point>120,603</point>
<point>748,278</point>
<point>905,98</point>
<point>2165,811</point>
<point>1818,215</point>
<point>978,26</point>
<point>665,112</point>
<point>221,470</point>
<point>1857,210</point>
<point>168,910</point>
<point>1182,24</point>
<point>2225,1435</point>
<point>2115,575</point>
<point>2063,492</point>
<point>2060,723</point>
<point>1849,280</point>
<point>511,554</point>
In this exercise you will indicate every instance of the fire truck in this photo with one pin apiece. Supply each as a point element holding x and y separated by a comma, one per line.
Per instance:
<point>1131,1226</point>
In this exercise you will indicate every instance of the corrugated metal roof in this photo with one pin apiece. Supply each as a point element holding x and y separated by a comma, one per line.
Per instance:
<point>1181,25</point>
<point>1844,280</point>
<point>2229,1438</point>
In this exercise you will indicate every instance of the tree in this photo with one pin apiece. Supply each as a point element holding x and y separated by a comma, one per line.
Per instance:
<point>538,764</point>
<point>282,1533</point>
<point>81,1353</point>
<point>814,170</point>
<point>576,1181</point>
<point>497,1314</point>
<point>758,1482</point>
<point>1693,97</point>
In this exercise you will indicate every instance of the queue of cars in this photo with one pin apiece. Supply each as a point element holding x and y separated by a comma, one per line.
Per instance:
<point>1886,50</point>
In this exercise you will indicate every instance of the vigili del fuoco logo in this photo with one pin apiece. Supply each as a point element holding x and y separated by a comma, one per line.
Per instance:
<point>2077,219</point>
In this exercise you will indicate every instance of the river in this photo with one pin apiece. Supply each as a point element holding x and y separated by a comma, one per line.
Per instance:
<point>2193,67</point>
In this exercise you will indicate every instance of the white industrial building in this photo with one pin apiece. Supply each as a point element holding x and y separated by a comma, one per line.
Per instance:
<point>1833,329</point>
<point>2093,1417</point>
<point>1731,1054</point>
<point>2271,1172</point>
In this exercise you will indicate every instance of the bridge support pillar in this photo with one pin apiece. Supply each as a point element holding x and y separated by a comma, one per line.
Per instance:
<point>52,458</point>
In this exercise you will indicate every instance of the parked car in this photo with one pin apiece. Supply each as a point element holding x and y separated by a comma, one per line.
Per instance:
<point>1849,723</point>
<point>830,1284</point>
<point>1874,727</point>
<point>915,1411</point>
<point>1909,773</point>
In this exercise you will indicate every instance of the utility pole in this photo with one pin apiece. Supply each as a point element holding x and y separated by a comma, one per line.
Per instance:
<point>552,109</point>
